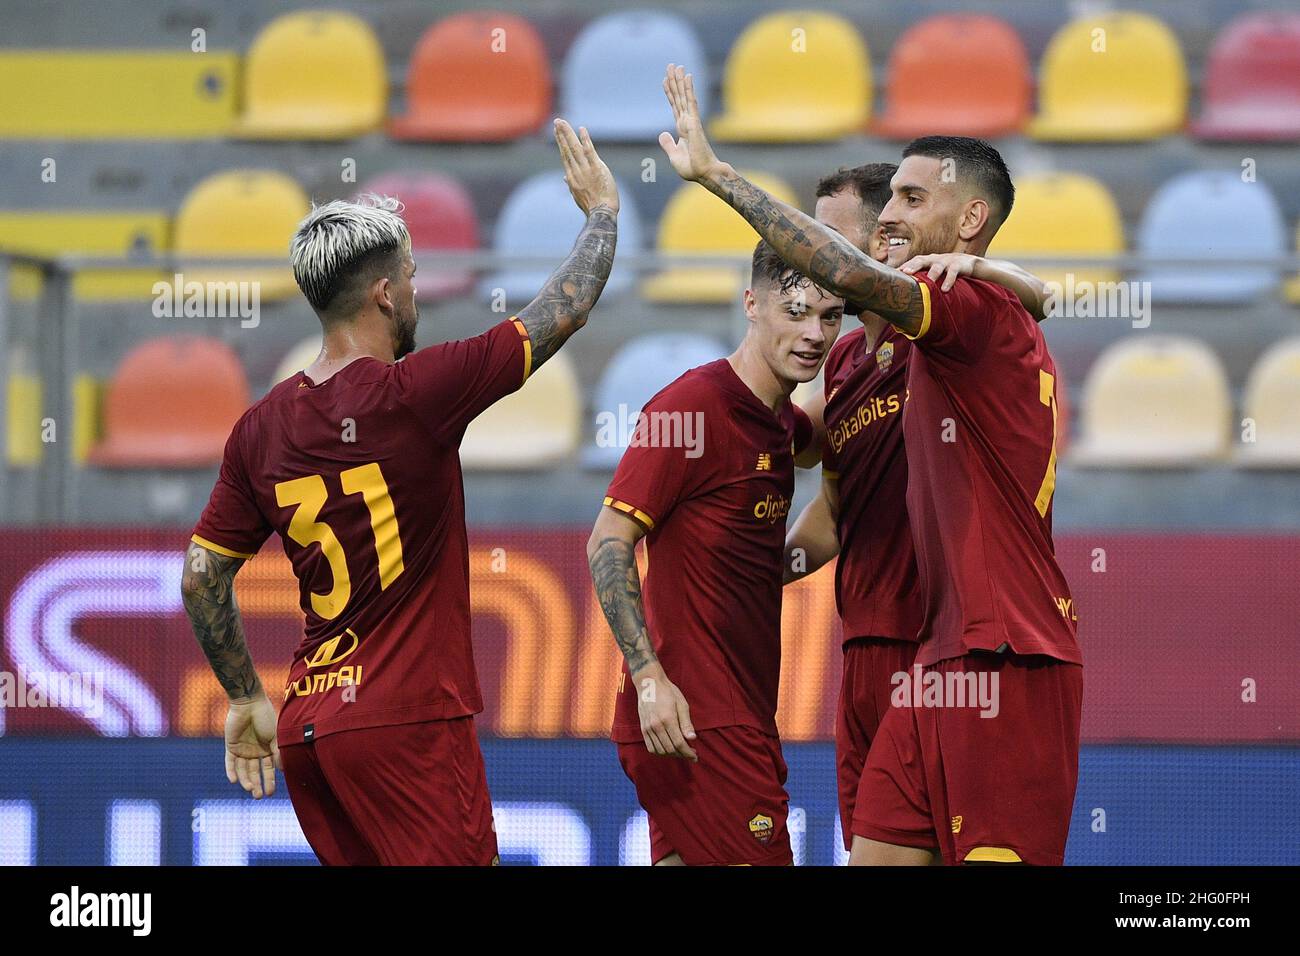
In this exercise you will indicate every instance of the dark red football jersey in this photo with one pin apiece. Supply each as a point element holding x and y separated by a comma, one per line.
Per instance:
<point>876,587</point>
<point>980,431</point>
<point>360,476</point>
<point>715,544</point>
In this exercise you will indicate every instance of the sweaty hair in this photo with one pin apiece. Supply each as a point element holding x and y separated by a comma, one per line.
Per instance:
<point>870,183</point>
<point>770,269</point>
<point>977,163</point>
<point>342,246</point>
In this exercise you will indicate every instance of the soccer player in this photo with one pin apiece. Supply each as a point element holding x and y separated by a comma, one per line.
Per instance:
<point>860,512</point>
<point>355,463</point>
<point>695,716</point>
<point>969,785</point>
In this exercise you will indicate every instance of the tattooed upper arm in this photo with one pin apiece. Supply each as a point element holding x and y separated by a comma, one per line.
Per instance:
<point>208,593</point>
<point>561,307</point>
<point>823,255</point>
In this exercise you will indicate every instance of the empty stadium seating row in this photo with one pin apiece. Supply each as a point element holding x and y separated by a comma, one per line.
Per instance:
<point>1201,217</point>
<point>1148,402</point>
<point>791,76</point>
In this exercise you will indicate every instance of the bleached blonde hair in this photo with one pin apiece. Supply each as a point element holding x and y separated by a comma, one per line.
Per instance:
<point>335,238</point>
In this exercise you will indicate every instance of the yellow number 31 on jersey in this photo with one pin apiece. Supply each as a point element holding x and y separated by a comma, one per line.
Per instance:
<point>309,494</point>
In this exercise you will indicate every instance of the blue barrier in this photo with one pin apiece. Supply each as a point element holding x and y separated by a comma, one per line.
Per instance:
<point>95,801</point>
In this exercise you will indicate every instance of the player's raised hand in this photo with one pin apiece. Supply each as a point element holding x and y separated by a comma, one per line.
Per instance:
<point>691,155</point>
<point>588,178</point>
<point>251,752</point>
<point>948,265</point>
<point>665,716</point>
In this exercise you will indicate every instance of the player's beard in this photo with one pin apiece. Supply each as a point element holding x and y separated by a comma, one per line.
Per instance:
<point>940,238</point>
<point>404,335</point>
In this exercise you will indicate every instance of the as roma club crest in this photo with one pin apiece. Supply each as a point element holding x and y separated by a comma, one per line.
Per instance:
<point>761,827</point>
<point>885,356</point>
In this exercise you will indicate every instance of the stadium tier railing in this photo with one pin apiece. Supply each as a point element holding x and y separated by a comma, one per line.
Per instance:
<point>48,347</point>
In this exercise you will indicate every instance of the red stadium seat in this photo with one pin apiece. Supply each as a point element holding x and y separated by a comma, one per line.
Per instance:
<point>440,216</point>
<point>172,404</point>
<point>1252,80</point>
<point>476,77</point>
<point>959,74</point>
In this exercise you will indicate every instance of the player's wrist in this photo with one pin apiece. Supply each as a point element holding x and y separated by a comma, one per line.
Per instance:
<point>716,173</point>
<point>256,697</point>
<point>650,670</point>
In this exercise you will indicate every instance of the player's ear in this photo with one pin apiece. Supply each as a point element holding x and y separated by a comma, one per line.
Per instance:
<point>382,293</point>
<point>974,217</point>
<point>751,305</point>
<point>878,244</point>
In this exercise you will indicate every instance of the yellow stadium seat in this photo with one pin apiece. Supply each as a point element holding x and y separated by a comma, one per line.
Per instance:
<point>241,214</point>
<point>695,222</point>
<point>1291,288</point>
<point>534,427</point>
<point>94,234</point>
<point>1115,77</point>
<point>23,446</point>
<point>1154,401</point>
<point>313,75</point>
<point>1271,409</point>
<point>793,77</point>
<point>74,94</point>
<point>297,359</point>
<point>1062,214</point>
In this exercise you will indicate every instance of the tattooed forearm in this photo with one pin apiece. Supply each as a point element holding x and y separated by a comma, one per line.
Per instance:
<point>208,591</point>
<point>823,254</point>
<point>618,588</point>
<point>561,308</point>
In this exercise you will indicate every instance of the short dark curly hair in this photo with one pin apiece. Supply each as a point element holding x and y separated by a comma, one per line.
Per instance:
<point>769,268</point>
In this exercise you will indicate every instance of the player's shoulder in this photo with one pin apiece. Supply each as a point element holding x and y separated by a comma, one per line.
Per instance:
<point>968,290</point>
<point>695,388</point>
<point>279,393</point>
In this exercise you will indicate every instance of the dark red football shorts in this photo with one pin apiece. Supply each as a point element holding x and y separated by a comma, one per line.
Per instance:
<point>727,810</point>
<point>869,666</point>
<point>982,789</point>
<point>403,795</point>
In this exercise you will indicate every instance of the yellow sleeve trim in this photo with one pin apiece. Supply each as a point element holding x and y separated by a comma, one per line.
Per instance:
<point>528,346</point>
<point>992,854</point>
<point>925,312</point>
<point>627,509</point>
<point>218,548</point>
<point>830,474</point>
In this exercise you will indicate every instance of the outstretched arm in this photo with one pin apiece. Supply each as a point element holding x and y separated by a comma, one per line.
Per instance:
<point>611,553</point>
<point>208,593</point>
<point>817,251</point>
<point>1028,288</point>
<point>561,307</point>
